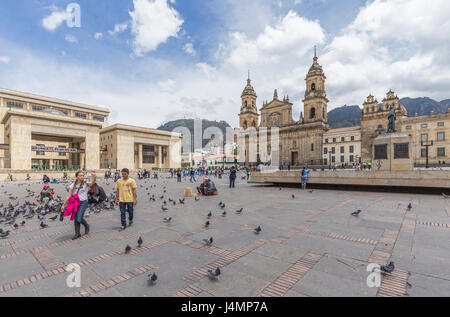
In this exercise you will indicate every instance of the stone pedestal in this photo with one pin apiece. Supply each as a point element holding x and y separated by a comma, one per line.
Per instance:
<point>392,152</point>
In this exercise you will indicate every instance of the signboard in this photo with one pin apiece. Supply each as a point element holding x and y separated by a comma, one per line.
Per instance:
<point>381,152</point>
<point>55,149</point>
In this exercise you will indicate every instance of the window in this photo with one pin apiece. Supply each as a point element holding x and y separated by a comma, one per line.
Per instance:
<point>312,147</point>
<point>313,86</point>
<point>352,138</point>
<point>440,124</point>
<point>333,150</point>
<point>424,137</point>
<point>424,126</point>
<point>334,140</point>
<point>373,109</point>
<point>441,151</point>
<point>325,150</point>
<point>38,108</point>
<point>343,139</point>
<point>12,104</point>
<point>401,150</point>
<point>148,149</point>
<point>40,153</point>
<point>342,159</point>
<point>352,149</point>
<point>313,113</point>
<point>441,136</point>
<point>148,159</point>
<point>342,149</point>
<point>326,140</point>
<point>80,115</point>
<point>333,159</point>
<point>98,118</point>
<point>380,127</point>
<point>408,127</point>
<point>352,159</point>
<point>423,152</point>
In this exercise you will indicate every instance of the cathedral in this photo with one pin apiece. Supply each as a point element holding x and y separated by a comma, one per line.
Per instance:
<point>300,142</point>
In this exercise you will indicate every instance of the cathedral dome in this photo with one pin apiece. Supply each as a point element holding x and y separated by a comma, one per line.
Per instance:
<point>248,90</point>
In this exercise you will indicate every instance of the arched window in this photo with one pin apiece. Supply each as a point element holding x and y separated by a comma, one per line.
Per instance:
<point>313,86</point>
<point>245,103</point>
<point>254,124</point>
<point>313,113</point>
<point>245,125</point>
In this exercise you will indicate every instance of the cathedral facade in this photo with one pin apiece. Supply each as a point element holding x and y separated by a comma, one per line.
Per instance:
<point>300,142</point>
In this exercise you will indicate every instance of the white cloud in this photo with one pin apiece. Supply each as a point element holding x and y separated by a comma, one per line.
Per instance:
<point>153,22</point>
<point>118,28</point>
<point>55,19</point>
<point>5,59</point>
<point>98,35</point>
<point>71,39</point>
<point>189,49</point>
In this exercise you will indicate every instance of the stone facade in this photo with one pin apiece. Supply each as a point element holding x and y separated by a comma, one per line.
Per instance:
<point>300,142</point>
<point>134,148</point>
<point>342,146</point>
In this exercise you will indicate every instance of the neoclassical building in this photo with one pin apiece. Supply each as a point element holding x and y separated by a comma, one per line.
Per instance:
<point>310,141</point>
<point>300,142</point>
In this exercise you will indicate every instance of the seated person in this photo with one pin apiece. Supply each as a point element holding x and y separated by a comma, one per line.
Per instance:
<point>207,188</point>
<point>54,181</point>
<point>47,192</point>
<point>45,179</point>
<point>96,194</point>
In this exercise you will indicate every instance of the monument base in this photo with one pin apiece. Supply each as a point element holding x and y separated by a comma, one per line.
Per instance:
<point>392,152</point>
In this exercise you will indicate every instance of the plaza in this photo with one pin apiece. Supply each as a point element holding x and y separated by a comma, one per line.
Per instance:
<point>310,245</point>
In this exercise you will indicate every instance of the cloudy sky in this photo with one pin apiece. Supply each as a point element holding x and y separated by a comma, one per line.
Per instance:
<point>151,61</point>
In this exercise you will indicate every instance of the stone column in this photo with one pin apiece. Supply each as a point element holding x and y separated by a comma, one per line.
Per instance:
<point>92,149</point>
<point>20,143</point>
<point>159,156</point>
<point>141,159</point>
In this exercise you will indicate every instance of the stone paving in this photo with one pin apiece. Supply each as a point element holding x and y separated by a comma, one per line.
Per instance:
<point>310,245</point>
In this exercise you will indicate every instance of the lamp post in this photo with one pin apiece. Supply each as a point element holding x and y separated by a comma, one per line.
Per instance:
<point>427,145</point>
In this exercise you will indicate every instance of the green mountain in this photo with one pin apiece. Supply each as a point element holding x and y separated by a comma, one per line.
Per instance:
<point>189,123</point>
<point>348,116</point>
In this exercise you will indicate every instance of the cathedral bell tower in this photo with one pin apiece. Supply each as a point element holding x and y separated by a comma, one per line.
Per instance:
<point>249,116</point>
<point>315,102</point>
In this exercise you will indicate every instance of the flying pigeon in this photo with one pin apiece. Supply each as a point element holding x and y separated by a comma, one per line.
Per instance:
<point>168,219</point>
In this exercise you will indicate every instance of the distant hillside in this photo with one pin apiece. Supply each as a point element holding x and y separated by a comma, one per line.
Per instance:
<point>189,123</point>
<point>349,116</point>
<point>346,116</point>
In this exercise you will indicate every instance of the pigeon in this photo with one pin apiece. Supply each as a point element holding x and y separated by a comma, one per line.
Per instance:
<point>445,196</point>
<point>54,218</point>
<point>293,196</point>
<point>16,226</point>
<point>43,225</point>
<point>164,208</point>
<point>388,268</point>
<point>224,214</point>
<point>23,223</point>
<point>5,234</point>
<point>409,206</point>
<point>311,191</point>
<point>140,241</point>
<point>240,211</point>
<point>151,278</point>
<point>356,213</point>
<point>168,219</point>
<point>222,207</point>
<point>196,198</point>
<point>258,230</point>
<point>280,188</point>
<point>207,224</point>
<point>210,215</point>
<point>127,249</point>
<point>214,274</point>
<point>220,204</point>
<point>208,241</point>
<point>182,201</point>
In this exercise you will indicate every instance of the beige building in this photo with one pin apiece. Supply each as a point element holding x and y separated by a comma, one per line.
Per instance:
<point>125,146</point>
<point>342,146</point>
<point>300,141</point>
<point>42,133</point>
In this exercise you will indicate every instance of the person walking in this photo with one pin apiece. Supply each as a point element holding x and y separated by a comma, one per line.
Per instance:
<point>232,177</point>
<point>304,176</point>
<point>126,198</point>
<point>79,191</point>
<point>179,175</point>
<point>192,173</point>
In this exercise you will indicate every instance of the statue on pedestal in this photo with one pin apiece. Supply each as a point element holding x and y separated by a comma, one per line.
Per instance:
<point>392,116</point>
